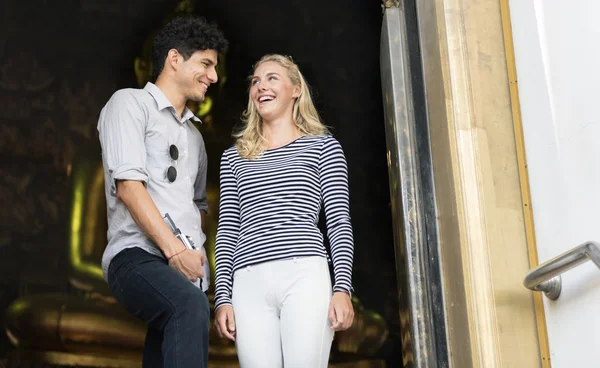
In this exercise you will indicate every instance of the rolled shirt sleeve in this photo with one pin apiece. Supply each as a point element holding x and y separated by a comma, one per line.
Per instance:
<point>200,183</point>
<point>121,127</point>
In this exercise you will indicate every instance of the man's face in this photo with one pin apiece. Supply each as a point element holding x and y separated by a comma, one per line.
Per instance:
<point>195,74</point>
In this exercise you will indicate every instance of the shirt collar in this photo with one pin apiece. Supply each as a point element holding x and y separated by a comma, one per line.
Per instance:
<point>162,102</point>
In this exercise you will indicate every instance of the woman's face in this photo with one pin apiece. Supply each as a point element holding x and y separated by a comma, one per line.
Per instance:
<point>272,91</point>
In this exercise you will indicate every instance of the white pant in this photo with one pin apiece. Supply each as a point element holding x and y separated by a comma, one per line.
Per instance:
<point>281,313</point>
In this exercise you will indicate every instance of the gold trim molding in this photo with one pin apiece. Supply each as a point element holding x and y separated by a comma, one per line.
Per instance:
<point>540,314</point>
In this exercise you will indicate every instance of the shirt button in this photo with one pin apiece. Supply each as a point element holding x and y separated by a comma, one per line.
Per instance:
<point>187,178</point>
<point>195,227</point>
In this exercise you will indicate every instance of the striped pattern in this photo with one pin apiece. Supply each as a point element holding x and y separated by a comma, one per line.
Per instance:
<point>269,210</point>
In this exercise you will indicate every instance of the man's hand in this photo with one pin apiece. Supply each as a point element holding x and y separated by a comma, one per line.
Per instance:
<point>225,322</point>
<point>341,311</point>
<point>190,263</point>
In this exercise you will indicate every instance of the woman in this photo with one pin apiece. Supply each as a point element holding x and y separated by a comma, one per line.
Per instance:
<point>274,296</point>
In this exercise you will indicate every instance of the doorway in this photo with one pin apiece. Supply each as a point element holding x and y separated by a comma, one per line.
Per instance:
<point>337,46</point>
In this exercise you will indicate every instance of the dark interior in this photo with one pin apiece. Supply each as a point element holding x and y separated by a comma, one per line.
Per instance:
<point>61,60</point>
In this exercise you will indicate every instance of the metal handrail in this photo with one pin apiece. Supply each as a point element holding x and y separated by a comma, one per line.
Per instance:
<point>546,277</point>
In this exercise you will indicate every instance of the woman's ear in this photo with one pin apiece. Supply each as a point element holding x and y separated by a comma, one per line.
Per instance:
<point>297,91</point>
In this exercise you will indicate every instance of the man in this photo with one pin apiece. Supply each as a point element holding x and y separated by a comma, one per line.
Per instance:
<point>155,163</point>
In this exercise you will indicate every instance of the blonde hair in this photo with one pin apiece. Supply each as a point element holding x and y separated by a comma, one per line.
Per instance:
<point>250,140</point>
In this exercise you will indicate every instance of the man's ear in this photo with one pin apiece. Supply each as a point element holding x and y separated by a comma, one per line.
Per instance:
<point>173,59</point>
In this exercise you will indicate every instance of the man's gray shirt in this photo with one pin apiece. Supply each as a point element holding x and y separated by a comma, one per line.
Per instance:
<point>137,127</point>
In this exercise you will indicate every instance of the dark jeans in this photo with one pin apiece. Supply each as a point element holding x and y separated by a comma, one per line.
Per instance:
<point>176,312</point>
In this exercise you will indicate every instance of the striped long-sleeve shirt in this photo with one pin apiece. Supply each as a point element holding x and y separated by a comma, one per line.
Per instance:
<point>269,209</point>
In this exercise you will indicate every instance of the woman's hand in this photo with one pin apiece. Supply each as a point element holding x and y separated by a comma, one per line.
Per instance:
<point>225,322</point>
<point>341,311</point>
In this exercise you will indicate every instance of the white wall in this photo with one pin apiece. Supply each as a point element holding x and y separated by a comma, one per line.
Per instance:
<point>557,49</point>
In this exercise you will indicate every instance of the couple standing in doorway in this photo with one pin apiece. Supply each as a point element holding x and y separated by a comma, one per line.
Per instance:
<point>274,294</point>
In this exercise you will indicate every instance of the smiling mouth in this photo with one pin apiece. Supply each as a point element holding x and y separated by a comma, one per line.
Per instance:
<point>265,99</point>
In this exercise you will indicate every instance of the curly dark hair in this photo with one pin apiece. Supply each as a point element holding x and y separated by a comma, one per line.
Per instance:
<point>186,34</point>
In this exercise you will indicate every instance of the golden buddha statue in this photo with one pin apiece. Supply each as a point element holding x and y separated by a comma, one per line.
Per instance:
<point>88,328</point>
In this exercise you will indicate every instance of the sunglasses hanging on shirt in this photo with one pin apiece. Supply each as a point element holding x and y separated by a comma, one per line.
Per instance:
<point>172,171</point>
